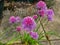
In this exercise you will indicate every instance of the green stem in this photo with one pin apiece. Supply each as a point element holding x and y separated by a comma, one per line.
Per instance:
<point>20,36</point>
<point>38,24</point>
<point>45,33</point>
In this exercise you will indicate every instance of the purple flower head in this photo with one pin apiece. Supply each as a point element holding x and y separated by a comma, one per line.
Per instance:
<point>41,4</point>
<point>50,12</point>
<point>28,23</point>
<point>41,13</point>
<point>18,19</point>
<point>50,18</point>
<point>44,8</point>
<point>12,19</point>
<point>34,35</point>
<point>18,28</point>
<point>35,16</point>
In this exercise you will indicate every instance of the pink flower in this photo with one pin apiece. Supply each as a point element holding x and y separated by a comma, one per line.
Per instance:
<point>12,19</point>
<point>41,13</point>
<point>50,14</point>
<point>35,16</point>
<point>44,8</point>
<point>18,19</point>
<point>28,23</point>
<point>18,28</point>
<point>34,35</point>
<point>41,4</point>
<point>50,18</point>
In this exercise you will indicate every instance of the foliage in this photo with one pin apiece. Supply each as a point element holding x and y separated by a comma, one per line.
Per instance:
<point>27,29</point>
<point>2,43</point>
<point>50,3</point>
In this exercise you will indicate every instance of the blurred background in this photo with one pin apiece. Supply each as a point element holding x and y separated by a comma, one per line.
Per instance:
<point>23,8</point>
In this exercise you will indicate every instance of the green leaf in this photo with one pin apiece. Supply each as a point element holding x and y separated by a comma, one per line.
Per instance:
<point>2,43</point>
<point>51,33</point>
<point>50,3</point>
<point>14,39</point>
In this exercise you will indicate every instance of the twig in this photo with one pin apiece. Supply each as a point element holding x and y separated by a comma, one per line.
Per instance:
<point>45,33</point>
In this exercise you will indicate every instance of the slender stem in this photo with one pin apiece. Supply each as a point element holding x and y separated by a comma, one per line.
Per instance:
<point>45,33</point>
<point>38,24</point>
<point>20,36</point>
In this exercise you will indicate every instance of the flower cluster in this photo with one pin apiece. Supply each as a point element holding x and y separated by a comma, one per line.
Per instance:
<point>34,35</point>
<point>28,23</point>
<point>35,17</point>
<point>43,10</point>
<point>41,4</point>
<point>14,19</point>
<point>18,28</point>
